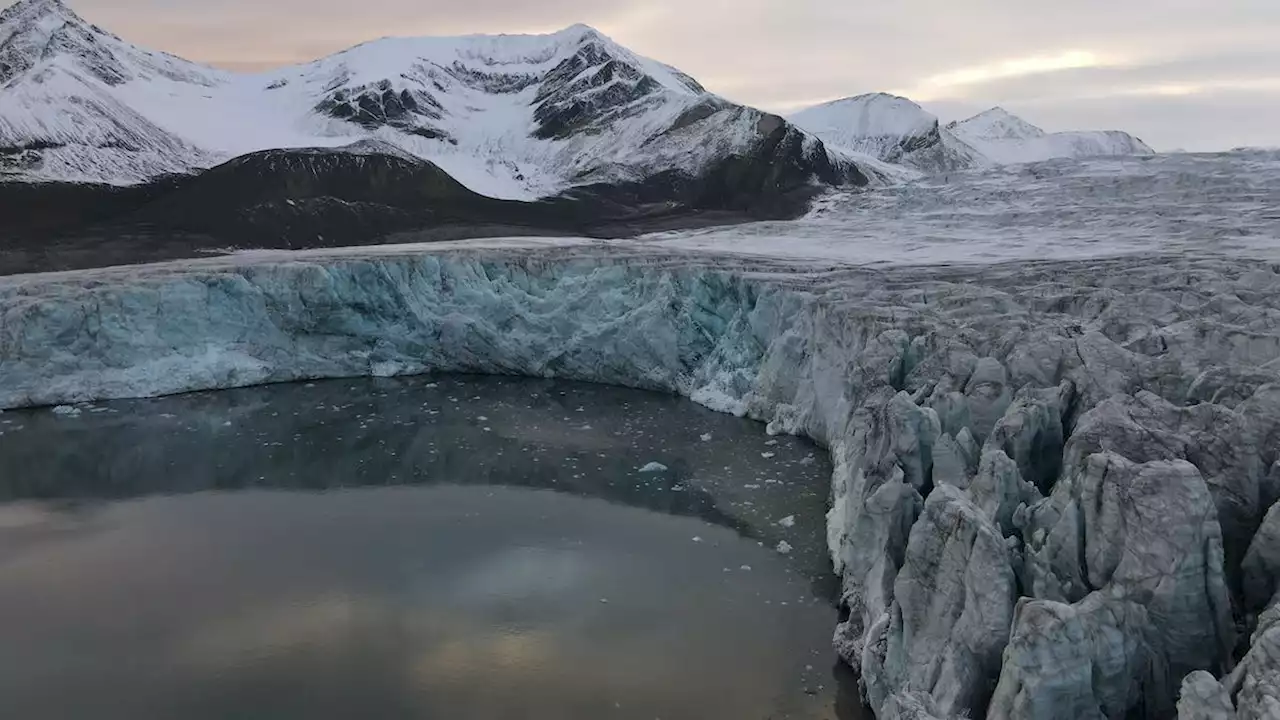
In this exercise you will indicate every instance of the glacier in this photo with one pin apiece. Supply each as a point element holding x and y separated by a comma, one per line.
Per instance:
<point>984,459</point>
<point>1056,448</point>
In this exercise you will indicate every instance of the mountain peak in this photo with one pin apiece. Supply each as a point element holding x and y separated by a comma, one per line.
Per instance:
<point>865,100</point>
<point>869,115</point>
<point>30,15</point>
<point>35,30</point>
<point>583,31</point>
<point>877,97</point>
<point>36,35</point>
<point>28,7</point>
<point>998,124</point>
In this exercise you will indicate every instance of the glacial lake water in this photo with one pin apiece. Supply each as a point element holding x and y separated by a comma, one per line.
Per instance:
<point>449,547</point>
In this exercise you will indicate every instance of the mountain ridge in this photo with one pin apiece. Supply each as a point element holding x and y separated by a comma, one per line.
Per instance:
<point>510,116</point>
<point>889,128</point>
<point>898,130</point>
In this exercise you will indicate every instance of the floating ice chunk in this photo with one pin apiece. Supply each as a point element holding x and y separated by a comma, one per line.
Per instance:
<point>706,437</point>
<point>771,443</point>
<point>788,521</point>
<point>654,467</point>
<point>746,568</point>
<point>697,538</point>
<point>767,455</point>
<point>66,410</point>
<point>784,547</point>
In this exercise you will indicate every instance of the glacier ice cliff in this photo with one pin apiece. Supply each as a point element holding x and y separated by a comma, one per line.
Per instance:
<point>1055,484</point>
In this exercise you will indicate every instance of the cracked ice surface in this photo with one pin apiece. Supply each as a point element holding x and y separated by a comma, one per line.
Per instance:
<point>1051,478</point>
<point>1226,204</point>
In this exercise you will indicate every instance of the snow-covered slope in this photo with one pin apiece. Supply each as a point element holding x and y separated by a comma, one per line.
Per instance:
<point>1005,139</point>
<point>877,124</point>
<point>889,128</point>
<point>509,116</point>
<point>896,130</point>
<point>62,114</point>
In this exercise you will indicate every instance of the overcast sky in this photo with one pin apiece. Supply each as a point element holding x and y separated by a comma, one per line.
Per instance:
<point>1193,74</point>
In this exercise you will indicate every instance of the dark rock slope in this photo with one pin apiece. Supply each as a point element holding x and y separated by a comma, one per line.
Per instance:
<point>372,193</point>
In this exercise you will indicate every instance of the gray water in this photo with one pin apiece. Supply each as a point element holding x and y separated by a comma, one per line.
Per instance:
<point>451,547</point>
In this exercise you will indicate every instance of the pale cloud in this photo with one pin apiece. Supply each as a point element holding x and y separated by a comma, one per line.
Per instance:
<point>1173,71</point>
<point>953,83</point>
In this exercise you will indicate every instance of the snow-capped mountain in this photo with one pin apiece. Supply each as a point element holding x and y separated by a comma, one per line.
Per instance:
<point>889,128</point>
<point>512,116</point>
<point>1006,139</point>
<point>896,130</point>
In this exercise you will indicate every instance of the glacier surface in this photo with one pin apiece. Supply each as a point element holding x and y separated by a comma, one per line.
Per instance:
<point>1221,204</point>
